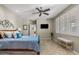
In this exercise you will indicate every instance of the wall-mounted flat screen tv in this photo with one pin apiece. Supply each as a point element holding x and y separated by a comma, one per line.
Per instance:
<point>44,26</point>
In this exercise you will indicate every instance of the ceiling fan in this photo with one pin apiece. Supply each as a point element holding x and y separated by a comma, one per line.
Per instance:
<point>41,11</point>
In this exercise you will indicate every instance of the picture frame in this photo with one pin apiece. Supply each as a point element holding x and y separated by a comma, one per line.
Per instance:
<point>24,27</point>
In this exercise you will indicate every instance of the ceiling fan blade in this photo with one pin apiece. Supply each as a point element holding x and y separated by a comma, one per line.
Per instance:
<point>46,13</point>
<point>40,14</point>
<point>46,10</point>
<point>35,13</point>
<point>38,9</point>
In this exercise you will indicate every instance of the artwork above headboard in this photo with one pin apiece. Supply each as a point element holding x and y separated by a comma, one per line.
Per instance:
<point>6,25</point>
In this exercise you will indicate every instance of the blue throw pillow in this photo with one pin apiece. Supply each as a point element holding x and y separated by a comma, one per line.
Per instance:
<point>18,34</point>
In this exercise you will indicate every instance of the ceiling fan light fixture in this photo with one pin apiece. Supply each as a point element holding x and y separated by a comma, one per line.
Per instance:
<point>41,11</point>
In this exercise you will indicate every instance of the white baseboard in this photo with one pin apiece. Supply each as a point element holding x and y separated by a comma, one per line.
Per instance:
<point>75,52</point>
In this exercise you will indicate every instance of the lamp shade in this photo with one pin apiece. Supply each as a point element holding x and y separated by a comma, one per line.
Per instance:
<point>19,29</point>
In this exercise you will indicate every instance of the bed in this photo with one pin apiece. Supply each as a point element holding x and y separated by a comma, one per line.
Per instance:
<point>25,43</point>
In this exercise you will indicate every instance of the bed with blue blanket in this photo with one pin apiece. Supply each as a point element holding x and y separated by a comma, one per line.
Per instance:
<point>30,43</point>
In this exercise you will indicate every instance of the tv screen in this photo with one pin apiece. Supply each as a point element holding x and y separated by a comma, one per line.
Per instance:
<point>44,26</point>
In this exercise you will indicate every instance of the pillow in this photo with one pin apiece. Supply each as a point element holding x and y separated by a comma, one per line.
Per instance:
<point>1,35</point>
<point>17,34</point>
<point>8,34</point>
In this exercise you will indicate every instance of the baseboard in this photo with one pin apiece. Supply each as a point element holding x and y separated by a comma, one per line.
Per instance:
<point>75,52</point>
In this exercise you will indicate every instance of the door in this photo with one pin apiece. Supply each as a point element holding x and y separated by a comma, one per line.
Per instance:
<point>33,29</point>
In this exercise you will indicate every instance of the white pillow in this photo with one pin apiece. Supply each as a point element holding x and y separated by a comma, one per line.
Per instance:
<point>8,34</point>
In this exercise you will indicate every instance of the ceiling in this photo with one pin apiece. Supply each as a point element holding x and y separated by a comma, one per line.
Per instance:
<point>25,10</point>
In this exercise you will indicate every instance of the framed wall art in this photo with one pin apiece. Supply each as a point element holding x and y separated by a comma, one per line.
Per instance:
<point>24,27</point>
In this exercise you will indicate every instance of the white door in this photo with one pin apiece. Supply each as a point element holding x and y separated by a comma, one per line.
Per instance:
<point>32,29</point>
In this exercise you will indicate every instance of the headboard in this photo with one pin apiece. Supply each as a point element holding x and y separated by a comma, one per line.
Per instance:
<point>7,30</point>
<point>3,31</point>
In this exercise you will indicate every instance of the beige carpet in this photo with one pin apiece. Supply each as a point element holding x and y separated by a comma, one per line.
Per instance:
<point>47,47</point>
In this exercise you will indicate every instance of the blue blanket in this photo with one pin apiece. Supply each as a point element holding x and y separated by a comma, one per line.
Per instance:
<point>26,42</point>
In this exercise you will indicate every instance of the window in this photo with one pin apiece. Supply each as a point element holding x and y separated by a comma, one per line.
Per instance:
<point>66,24</point>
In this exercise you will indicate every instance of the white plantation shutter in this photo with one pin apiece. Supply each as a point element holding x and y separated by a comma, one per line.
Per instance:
<point>67,24</point>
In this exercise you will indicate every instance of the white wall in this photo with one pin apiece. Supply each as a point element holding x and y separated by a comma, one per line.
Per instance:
<point>6,14</point>
<point>44,33</point>
<point>70,13</point>
<point>25,22</point>
<point>26,14</point>
<point>19,22</point>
